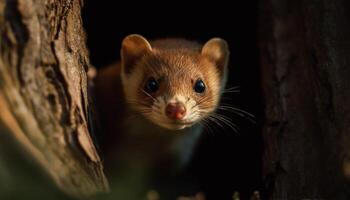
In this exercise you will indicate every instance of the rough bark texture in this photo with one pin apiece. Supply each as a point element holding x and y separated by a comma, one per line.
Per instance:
<point>44,106</point>
<point>305,55</point>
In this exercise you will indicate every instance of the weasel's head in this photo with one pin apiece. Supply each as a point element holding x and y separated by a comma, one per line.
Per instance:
<point>173,87</point>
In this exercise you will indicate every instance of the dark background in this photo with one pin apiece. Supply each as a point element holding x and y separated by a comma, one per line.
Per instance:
<point>225,161</point>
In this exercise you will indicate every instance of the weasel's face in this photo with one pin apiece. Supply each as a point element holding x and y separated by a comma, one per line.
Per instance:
<point>174,88</point>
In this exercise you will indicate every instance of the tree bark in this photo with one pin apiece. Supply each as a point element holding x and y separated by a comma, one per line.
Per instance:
<point>305,48</point>
<point>44,105</point>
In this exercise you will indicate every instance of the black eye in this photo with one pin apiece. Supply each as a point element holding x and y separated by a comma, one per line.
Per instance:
<point>151,85</point>
<point>199,86</point>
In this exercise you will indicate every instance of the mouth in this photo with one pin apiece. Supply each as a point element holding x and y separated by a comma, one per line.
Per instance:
<point>176,125</point>
<point>182,123</point>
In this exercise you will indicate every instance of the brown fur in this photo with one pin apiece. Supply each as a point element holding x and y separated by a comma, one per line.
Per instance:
<point>176,64</point>
<point>177,70</point>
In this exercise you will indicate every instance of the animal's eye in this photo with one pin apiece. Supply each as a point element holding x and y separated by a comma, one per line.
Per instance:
<point>199,86</point>
<point>151,85</point>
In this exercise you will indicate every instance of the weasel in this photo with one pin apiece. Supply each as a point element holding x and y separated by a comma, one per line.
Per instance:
<point>153,103</point>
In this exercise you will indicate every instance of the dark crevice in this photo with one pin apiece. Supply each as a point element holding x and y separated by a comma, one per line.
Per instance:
<point>60,15</point>
<point>13,16</point>
<point>323,85</point>
<point>291,63</point>
<point>56,78</point>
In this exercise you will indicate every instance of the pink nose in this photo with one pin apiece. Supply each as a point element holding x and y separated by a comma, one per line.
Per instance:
<point>175,111</point>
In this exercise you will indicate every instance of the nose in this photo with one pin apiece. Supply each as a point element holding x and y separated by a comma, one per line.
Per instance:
<point>175,111</point>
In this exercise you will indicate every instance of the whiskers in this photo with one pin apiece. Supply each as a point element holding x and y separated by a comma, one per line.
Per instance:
<point>152,110</point>
<point>216,118</point>
<point>149,95</point>
<point>138,107</point>
<point>242,113</point>
<point>234,89</point>
<point>143,106</point>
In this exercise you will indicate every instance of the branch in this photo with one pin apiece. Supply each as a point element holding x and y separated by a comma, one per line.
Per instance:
<point>43,91</point>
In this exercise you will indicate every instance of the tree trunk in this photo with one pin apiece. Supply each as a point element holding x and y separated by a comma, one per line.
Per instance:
<point>44,107</point>
<point>305,48</point>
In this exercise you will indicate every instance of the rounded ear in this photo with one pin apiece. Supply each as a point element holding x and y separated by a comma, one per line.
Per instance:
<point>216,49</point>
<point>134,46</point>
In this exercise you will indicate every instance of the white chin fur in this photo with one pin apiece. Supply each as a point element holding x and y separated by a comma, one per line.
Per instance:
<point>172,127</point>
